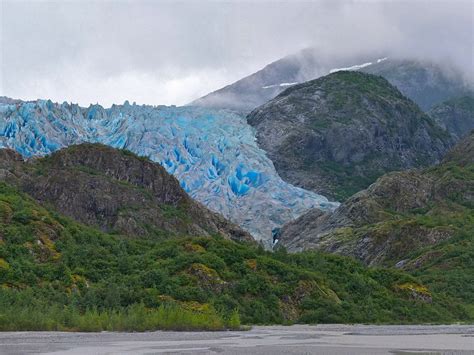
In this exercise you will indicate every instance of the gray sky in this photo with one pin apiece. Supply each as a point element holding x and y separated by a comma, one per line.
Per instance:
<point>158,52</point>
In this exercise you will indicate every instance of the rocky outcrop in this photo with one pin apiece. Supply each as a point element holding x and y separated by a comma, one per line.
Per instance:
<point>455,115</point>
<point>337,134</point>
<point>424,82</point>
<point>114,190</point>
<point>462,153</point>
<point>400,213</point>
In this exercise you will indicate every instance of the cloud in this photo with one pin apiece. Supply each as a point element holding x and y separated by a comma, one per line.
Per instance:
<point>162,52</point>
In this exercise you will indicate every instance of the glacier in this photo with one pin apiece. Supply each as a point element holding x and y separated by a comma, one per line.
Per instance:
<point>212,152</point>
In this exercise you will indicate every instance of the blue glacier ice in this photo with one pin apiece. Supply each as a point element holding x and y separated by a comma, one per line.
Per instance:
<point>213,153</point>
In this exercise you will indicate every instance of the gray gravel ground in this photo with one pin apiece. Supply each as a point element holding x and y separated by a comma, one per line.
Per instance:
<point>298,339</point>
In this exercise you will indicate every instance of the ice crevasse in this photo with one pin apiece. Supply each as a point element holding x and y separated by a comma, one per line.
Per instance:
<point>213,153</point>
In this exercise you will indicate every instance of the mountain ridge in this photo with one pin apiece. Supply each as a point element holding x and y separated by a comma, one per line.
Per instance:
<point>400,213</point>
<point>115,191</point>
<point>423,81</point>
<point>303,127</point>
<point>456,115</point>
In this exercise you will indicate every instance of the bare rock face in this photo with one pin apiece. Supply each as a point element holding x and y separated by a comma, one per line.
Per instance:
<point>114,190</point>
<point>398,214</point>
<point>455,115</point>
<point>462,153</point>
<point>424,82</point>
<point>337,134</point>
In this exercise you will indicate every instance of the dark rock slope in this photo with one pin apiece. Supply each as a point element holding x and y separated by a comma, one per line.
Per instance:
<point>426,83</point>
<point>455,115</point>
<point>399,214</point>
<point>254,90</point>
<point>335,135</point>
<point>114,190</point>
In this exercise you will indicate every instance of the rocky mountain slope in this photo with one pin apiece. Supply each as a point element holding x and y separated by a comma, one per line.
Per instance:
<point>256,89</point>
<point>57,274</point>
<point>424,82</point>
<point>455,115</point>
<point>413,219</point>
<point>335,135</point>
<point>115,191</point>
<point>213,153</point>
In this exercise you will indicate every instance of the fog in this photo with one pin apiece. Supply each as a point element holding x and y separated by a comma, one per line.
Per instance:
<point>159,52</point>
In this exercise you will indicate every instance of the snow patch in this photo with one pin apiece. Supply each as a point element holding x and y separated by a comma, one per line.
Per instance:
<point>358,66</point>
<point>281,85</point>
<point>354,67</point>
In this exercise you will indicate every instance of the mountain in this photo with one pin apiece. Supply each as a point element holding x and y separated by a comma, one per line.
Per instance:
<point>418,221</point>
<point>115,191</point>
<point>455,115</point>
<point>213,153</point>
<point>398,215</point>
<point>424,82</point>
<point>57,274</point>
<point>256,89</point>
<point>335,135</point>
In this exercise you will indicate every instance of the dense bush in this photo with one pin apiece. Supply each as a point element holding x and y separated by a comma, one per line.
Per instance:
<point>56,274</point>
<point>136,317</point>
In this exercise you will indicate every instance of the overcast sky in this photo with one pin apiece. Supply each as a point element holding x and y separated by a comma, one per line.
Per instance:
<point>158,52</point>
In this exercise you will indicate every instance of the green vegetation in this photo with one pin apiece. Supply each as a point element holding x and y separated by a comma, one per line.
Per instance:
<point>348,95</point>
<point>449,266</point>
<point>115,191</point>
<point>56,274</point>
<point>363,84</point>
<point>435,242</point>
<point>170,211</point>
<point>346,182</point>
<point>371,84</point>
<point>31,316</point>
<point>344,130</point>
<point>463,102</point>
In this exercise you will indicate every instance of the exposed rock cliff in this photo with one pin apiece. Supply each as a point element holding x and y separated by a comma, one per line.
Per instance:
<point>114,190</point>
<point>455,115</point>
<point>337,134</point>
<point>398,215</point>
